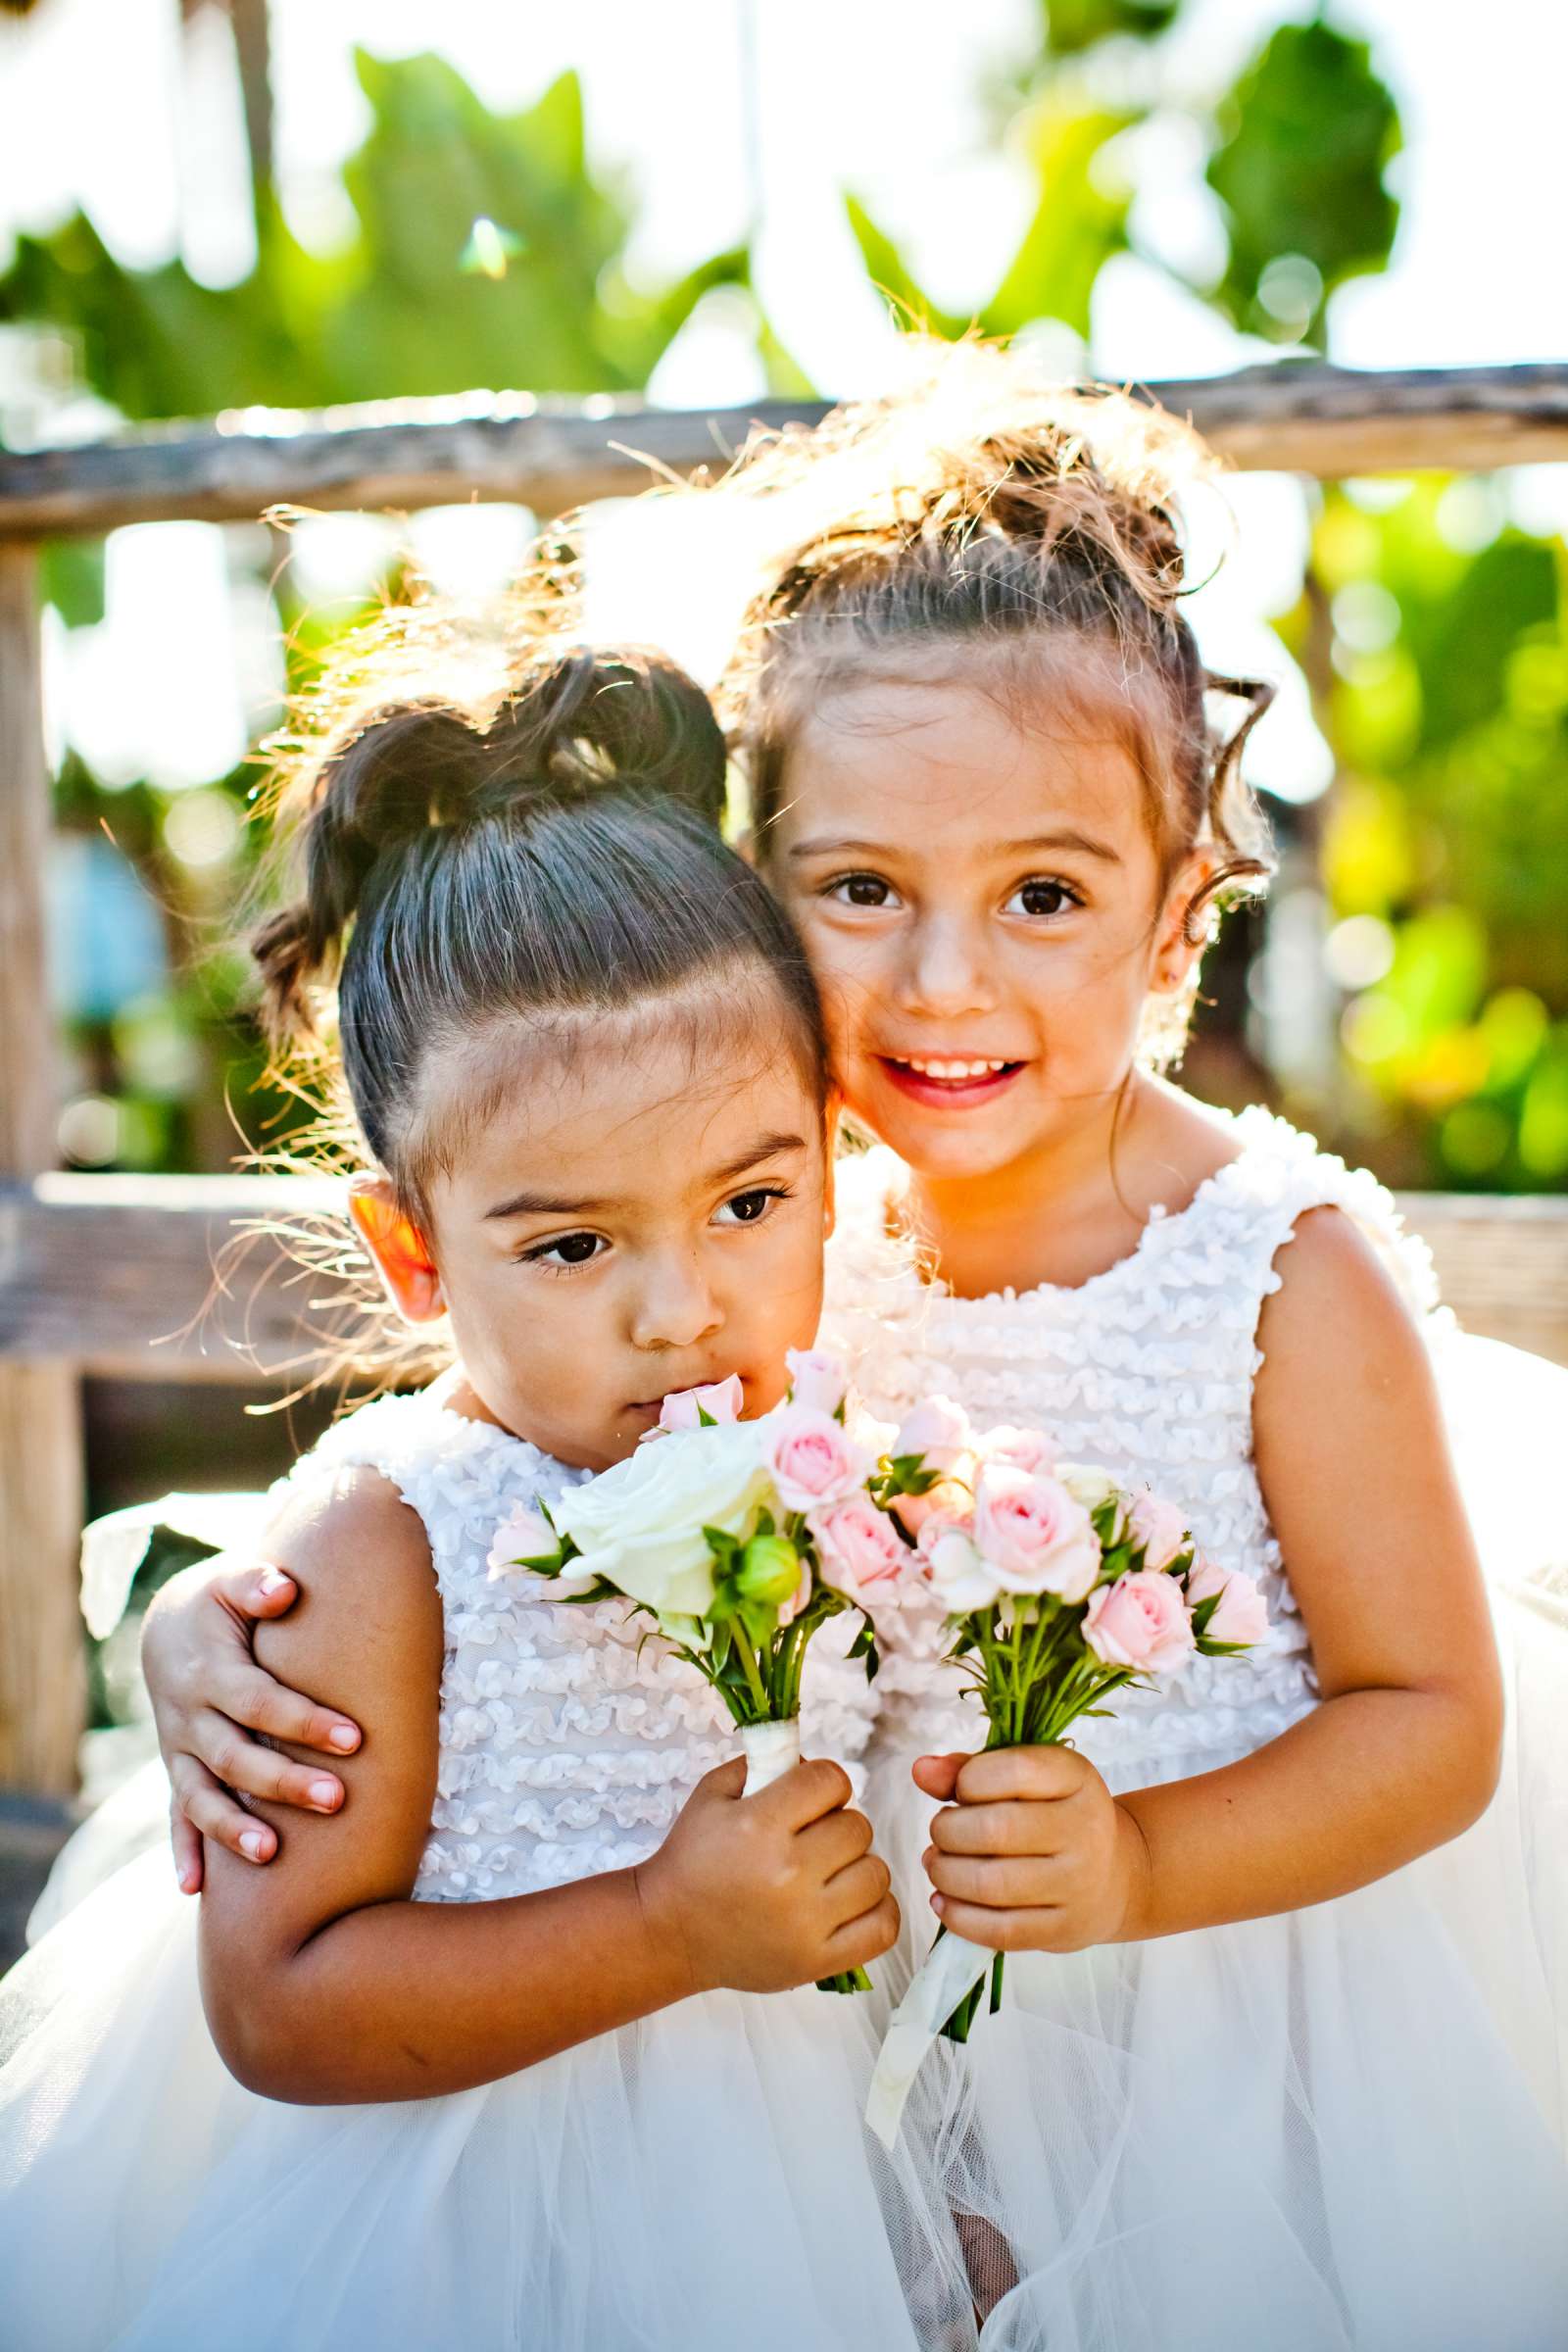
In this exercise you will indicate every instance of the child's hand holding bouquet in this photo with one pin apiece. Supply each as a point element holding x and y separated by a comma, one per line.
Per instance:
<point>740,1538</point>
<point>1061,1588</point>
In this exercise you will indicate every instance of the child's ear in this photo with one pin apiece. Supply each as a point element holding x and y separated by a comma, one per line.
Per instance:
<point>1181,932</point>
<point>399,1250</point>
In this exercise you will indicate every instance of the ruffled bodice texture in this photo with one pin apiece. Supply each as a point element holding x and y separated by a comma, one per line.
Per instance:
<point>1145,1369</point>
<point>570,1735</point>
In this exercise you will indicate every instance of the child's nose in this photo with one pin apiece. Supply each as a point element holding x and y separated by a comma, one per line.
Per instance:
<point>675,1306</point>
<point>948,974</point>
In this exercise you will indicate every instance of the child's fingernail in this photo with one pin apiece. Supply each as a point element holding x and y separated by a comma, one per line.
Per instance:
<point>272,1580</point>
<point>343,1736</point>
<point>324,1793</point>
<point>935,1902</point>
<point>252,1842</point>
<point>187,1880</point>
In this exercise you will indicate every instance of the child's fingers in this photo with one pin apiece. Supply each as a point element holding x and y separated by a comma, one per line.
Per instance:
<point>247,1695</point>
<point>259,1590</point>
<point>807,1791</point>
<point>251,1770</point>
<point>726,1779</point>
<point>209,1809</point>
<point>855,1891</point>
<point>1035,1931</point>
<point>1002,1884</point>
<point>832,1843</point>
<point>1034,1774</point>
<point>938,1776</point>
<point>1004,1828</point>
<point>862,1940</point>
<point>186,1840</point>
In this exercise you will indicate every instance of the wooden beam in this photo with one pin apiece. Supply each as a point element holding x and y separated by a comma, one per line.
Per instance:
<point>554,454</point>
<point>171,1277</point>
<point>42,1687</point>
<point>1501,1262</point>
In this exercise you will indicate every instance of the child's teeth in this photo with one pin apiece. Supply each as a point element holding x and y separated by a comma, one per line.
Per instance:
<point>955,1069</point>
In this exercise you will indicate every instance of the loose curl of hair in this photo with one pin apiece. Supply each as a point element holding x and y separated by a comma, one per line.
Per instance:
<point>1035,530</point>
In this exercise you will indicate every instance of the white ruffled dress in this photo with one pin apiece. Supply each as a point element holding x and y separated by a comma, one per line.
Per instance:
<point>1337,2128</point>
<point>699,2180</point>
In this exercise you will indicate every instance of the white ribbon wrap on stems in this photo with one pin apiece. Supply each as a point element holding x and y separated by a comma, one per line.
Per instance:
<point>771,1750</point>
<point>952,1969</point>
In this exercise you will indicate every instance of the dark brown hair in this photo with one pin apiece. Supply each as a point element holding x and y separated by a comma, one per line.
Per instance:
<point>1034,530</point>
<point>549,847</point>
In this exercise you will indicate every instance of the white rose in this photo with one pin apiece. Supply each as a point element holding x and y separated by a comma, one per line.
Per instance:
<point>1086,1482</point>
<point>960,1577</point>
<point>639,1525</point>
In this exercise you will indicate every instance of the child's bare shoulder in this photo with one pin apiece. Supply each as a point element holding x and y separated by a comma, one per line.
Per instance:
<point>362,1560</point>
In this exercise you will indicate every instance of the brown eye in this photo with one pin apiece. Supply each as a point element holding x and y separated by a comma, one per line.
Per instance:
<point>1040,897</point>
<point>861,890</point>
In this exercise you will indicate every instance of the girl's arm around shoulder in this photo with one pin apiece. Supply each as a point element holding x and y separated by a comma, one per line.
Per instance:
<point>323,1982</point>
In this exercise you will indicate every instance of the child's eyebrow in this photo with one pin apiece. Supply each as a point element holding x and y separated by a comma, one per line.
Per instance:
<point>539,1205</point>
<point>1065,837</point>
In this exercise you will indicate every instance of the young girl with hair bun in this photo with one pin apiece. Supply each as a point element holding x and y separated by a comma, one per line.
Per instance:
<point>1278,2063</point>
<point>492,2075</point>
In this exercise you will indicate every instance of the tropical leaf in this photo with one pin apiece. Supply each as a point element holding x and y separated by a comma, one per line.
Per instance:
<point>1308,134</point>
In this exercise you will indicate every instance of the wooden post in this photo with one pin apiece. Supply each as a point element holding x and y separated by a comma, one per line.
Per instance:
<point>42,1688</point>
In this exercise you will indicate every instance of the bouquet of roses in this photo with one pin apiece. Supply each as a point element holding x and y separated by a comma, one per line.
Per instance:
<point>1061,1588</point>
<point>739,1538</point>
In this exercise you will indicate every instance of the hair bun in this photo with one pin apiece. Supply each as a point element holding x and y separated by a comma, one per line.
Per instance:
<point>574,721</point>
<point>629,719</point>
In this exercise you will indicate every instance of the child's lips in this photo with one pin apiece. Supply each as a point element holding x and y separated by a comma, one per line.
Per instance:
<point>950,1082</point>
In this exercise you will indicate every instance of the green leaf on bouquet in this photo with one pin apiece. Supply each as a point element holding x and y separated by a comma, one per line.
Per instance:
<point>1204,1611</point>
<point>864,1647</point>
<point>1222,1649</point>
<point>1115,1562</point>
<point>723,1547</point>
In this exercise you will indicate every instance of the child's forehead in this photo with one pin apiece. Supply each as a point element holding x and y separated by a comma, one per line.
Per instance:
<point>951,752</point>
<point>660,1089</point>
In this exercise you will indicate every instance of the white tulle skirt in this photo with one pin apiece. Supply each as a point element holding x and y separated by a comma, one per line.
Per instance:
<point>1340,2127</point>
<point>701,2181</point>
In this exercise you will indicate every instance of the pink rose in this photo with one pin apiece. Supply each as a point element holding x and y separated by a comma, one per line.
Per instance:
<point>952,1497</point>
<point>961,1579</point>
<point>524,1535</point>
<point>1035,1538</point>
<point>862,1554</point>
<point>720,1400</point>
<point>816,1381</point>
<point>1020,1449</point>
<point>1140,1621</point>
<point>939,1430</point>
<point>1160,1528</point>
<point>1243,1614</point>
<point>811,1459</point>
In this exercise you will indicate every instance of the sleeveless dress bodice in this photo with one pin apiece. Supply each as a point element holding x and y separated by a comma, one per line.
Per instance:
<point>570,1735</point>
<point>1145,1369</point>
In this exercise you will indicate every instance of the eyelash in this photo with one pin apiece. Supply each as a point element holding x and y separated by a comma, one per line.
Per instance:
<point>540,1253</point>
<point>842,882</point>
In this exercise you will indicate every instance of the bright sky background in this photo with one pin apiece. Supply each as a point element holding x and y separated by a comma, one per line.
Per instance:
<point>844,94</point>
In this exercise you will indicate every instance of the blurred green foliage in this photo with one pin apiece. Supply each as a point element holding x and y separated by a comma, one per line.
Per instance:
<point>1306,135</point>
<point>485,252</point>
<point>1448,702</point>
